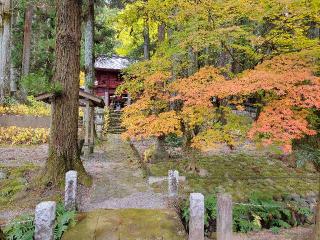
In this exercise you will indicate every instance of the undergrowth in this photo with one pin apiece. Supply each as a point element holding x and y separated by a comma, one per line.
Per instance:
<point>256,214</point>
<point>23,228</point>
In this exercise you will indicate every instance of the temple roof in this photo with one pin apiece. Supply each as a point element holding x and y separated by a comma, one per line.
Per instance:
<point>111,63</point>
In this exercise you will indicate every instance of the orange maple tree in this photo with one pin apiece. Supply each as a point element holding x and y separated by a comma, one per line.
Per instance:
<point>289,86</point>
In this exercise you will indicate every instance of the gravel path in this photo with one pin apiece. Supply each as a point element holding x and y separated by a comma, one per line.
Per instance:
<point>14,156</point>
<point>117,179</point>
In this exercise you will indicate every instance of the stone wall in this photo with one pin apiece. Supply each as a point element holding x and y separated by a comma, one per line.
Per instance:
<point>25,121</point>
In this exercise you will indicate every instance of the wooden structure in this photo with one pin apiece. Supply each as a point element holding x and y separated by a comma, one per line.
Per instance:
<point>108,78</point>
<point>84,98</point>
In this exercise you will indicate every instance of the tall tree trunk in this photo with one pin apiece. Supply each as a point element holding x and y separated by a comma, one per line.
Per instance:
<point>5,49</point>
<point>193,62</point>
<point>2,236</point>
<point>63,148</point>
<point>13,70</point>
<point>146,38</point>
<point>161,32</point>
<point>89,75</point>
<point>27,40</point>
<point>316,231</point>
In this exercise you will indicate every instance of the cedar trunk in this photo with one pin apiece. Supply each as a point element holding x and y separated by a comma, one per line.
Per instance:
<point>5,28</point>
<point>89,74</point>
<point>27,40</point>
<point>63,148</point>
<point>2,236</point>
<point>316,231</point>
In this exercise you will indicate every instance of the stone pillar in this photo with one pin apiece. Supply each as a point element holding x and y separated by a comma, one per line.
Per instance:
<point>173,183</point>
<point>44,221</point>
<point>99,121</point>
<point>129,99</point>
<point>224,217</point>
<point>196,222</point>
<point>70,195</point>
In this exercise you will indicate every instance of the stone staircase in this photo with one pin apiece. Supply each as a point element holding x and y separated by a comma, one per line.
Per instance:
<point>114,126</point>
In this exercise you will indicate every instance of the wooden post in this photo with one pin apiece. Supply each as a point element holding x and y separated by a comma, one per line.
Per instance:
<point>196,222</point>
<point>92,130</point>
<point>224,217</point>
<point>86,146</point>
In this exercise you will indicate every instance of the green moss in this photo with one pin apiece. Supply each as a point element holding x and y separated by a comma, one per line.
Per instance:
<point>14,183</point>
<point>127,224</point>
<point>241,175</point>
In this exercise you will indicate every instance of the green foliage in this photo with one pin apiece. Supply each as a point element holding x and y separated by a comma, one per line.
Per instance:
<point>22,228</point>
<point>37,83</point>
<point>64,220</point>
<point>258,213</point>
<point>13,184</point>
<point>9,101</point>
<point>174,141</point>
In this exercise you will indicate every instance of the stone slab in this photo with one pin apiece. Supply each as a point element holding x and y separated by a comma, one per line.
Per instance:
<point>129,224</point>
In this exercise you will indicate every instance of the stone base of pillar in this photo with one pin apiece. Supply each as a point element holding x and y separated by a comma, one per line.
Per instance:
<point>86,150</point>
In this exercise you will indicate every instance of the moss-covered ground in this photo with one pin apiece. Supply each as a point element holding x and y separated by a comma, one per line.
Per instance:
<point>127,224</point>
<point>19,190</point>
<point>239,174</point>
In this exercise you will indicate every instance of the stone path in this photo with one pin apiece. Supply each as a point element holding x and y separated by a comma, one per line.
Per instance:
<point>117,180</point>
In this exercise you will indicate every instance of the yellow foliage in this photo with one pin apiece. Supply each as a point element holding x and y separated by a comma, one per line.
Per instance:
<point>28,136</point>
<point>82,79</point>
<point>35,108</point>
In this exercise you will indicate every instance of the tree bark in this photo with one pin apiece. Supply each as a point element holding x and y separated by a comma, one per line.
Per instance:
<point>89,75</point>
<point>13,70</point>
<point>316,231</point>
<point>146,37</point>
<point>161,32</point>
<point>27,40</point>
<point>63,148</point>
<point>5,28</point>
<point>2,236</point>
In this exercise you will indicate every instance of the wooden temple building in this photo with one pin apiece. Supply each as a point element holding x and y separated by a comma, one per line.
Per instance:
<point>108,78</point>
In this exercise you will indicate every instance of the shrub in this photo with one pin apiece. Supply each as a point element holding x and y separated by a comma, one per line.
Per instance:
<point>22,228</point>
<point>258,213</point>
<point>174,141</point>
<point>33,107</point>
<point>28,136</point>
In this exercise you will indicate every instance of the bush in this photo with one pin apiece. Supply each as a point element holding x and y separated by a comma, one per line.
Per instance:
<point>258,213</point>
<point>32,107</point>
<point>174,141</point>
<point>22,228</point>
<point>28,136</point>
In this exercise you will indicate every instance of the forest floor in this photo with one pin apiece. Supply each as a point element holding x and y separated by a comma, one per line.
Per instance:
<point>118,183</point>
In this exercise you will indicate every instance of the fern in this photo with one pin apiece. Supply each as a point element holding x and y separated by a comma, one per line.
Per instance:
<point>64,220</point>
<point>22,228</point>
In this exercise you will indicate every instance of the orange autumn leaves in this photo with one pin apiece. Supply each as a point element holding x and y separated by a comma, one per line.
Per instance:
<point>287,84</point>
<point>289,78</point>
<point>150,115</point>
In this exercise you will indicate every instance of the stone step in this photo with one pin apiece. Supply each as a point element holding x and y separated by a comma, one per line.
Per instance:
<point>127,224</point>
